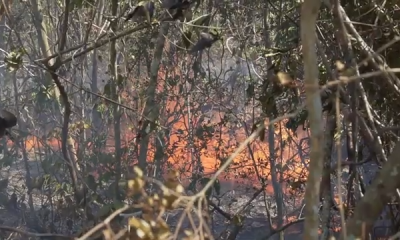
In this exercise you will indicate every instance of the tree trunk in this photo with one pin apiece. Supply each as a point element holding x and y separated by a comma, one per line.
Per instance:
<point>275,183</point>
<point>67,143</point>
<point>152,109</point>
<point>326,189</point>
<point>309,15</point>
<point>114,95</point>
<point>93,86</point>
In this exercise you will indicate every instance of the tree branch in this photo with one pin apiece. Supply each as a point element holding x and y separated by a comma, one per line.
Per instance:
<point>376,197</point>
<point>67,106</point>
<point>92,46</point>
<point>283,228</point>
<point>32,234</point>
<point>64,29</point>
<point>309,15</point>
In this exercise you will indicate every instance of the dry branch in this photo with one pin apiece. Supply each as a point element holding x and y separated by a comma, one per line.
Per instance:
<point>377,196</point>
<point>32,234</point>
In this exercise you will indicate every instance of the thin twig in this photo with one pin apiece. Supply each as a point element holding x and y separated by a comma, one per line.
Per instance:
<point>103,223</point>
<point>32,234</point>
<point>273,232</point>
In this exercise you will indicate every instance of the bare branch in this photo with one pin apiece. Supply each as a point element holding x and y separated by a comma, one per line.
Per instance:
<point>32,234</point>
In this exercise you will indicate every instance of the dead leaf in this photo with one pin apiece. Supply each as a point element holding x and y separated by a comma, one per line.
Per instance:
<point>284,79</point>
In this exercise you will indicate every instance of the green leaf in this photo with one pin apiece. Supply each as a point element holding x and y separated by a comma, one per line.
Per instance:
<point>108,209</point>
<point>106,177</point>
<point>3,184</point>
<point>238,220</point>
<point>142,8</point>
<point>121,80</point>
<point>37,182</point>
<point>117,205</point>
<point>66,187</point>
<point>97,198</point>
<point>23,134</point>
<point>77,4</point>
<point>186,38</point>
<point>217,187</point>
<point>204,132</point>
<point>351,237</point>
<point>111,86</point>
<point>293,123</point>
<point>7,161</point>
<point>203,20</point>
<point>105,211</point>
<point>3,199</point>
<point>208,193</point>
<point>192,186</point>
<point>123,184</point>
<point>204,182</point>
<point>108,89</point>
<point>13,59</point>
<point>338,135</point>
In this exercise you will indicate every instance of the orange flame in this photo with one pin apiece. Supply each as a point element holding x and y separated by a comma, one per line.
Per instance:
<point>217,149</point>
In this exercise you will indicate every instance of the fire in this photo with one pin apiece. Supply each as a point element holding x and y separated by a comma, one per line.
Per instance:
<point>32,143</point>
<point>213,150</point>
<point>223,143</point>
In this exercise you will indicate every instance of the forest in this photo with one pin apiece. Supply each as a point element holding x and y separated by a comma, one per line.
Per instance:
<point>199,120</point>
